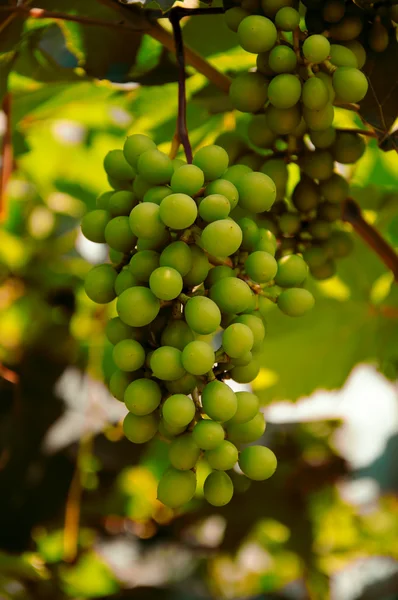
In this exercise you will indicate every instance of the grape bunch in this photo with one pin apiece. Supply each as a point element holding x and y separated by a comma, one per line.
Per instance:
<point>192,285</point>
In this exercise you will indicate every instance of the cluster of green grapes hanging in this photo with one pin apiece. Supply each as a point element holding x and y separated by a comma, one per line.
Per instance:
<point>189,277</point>
<point>304,69</point>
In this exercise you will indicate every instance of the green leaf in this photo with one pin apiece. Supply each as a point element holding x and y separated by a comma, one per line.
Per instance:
<point>90,577</point>
<point>10,31</point>
<point>148,56</point>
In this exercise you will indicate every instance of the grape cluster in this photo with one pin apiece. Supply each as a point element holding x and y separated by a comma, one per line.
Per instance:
<point>304,69</point>
<point>189,277</point>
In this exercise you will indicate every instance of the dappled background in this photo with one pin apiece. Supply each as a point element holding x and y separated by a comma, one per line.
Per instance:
<point>78,511</point>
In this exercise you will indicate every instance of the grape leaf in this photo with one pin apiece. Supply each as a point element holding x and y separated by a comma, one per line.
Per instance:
<point>11,28</point>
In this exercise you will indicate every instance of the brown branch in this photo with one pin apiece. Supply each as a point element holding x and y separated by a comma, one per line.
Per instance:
<point>7,158</point>
<point>352,214</point>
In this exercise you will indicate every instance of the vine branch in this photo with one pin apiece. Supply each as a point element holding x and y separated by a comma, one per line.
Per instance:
<point>7,159</point>
<point>352,214</point>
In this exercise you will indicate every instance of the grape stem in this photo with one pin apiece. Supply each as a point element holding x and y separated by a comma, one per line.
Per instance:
<point>217,261</point>
<point>352,214</point>
<point>7,159</point>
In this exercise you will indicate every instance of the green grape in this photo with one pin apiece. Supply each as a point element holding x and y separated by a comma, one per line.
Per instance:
<point>287,18</point>
<point>350,84</point>
<point>348,147</point>
<point>237,340</point>
<point>166,363</point>
<point>140,429</point>
<point>119,235</point>
<point>221,238</point>
<point>219,401</point>
<point>257,328</point>
<point>143,263</point>
<point>121,203</point>
<point>261,266</point>
<point>318,120</point>
<point>135,145</point>
<point>178,410</point>
<point>214,207</point>
<point>318,164</point>
<point>295,302</point>
<point>248,406</point>
<point>178,211</point>
<point>117,167</point>
<point>306,195</point>
<point>284,90</point>
<point>235,173</point>
<point>184,453</point>
<point>118,383</point>
<point>177,163</point>
<point>315,95</point>
<point>249,92</point>
<point>224,457</point>
<point>116,331</point>
<point>320,230</point>
<point>200,267</point>
<point>250,233</point>
<point>248,432</point>
<point>258,131</point>
<point>93,225</point>
<point>156,194</point>
<point>166,283</point>
<point>277,170</point>
<point>188,179</point>
<point>262,63</point>
<point>142,396</point>
<point>218,488</point>
<point>197,357</point>
<point>177,334</point>
<point>114,256</point>
<point>141,187</point>
<point>213,160</point>
<point>156,243</point>
<point>292,271</point>
<point>358,50</point>
<point>232,295</point>
<point>257,34</point>
<point>225,188</point>
<point>329,211</point>
<point>184,385</point>
<point>137,306</point>
<point>335,189</point>
<point>208,434</point>
<point>244,360</point>
<point>316,48</point>
<point>217,273</point>
<point>347,29</point>
<point>289,223</point>
<point>283,120</point>
<point>271,7</point>
<point>128,355</point>
<point>257,192</point>
<point>99,284</point>
<point>328,81</point>
<point>202,315</point>
<point>102,201</point>
<point>257,462</point>
<point>246,373</point>
<point>282,59</point>
<point>315,256</point>
<point>176,488</point>
<point>341,56</point>
<point>333,11</point>
<point>124,280</point>
<point>178,256</point>
<point>324,138</point>
<point>341,244</point>
<point>324,271</point>
<point>233,144</point>
<point>234,16</point>
<point>155,167</point>
<point>266,242</point>
<point>145,220</point>
<point>251,159</point>
<point>120,184</point>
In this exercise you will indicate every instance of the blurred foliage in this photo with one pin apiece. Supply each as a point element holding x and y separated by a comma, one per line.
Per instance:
<point>78,511</point>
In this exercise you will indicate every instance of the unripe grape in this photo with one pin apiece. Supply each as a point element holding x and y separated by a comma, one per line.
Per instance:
<point>219,401</point>
<point>225,188</point>
<point>93,225</point>
<point>140,429</point>
<point>248,92</point>
<point>324,271</point>
<point>217,273</point>
<point>358,50</point>
<point>246,374</point>
<point>292,271</point>
<point>135,145</point>
<point>329,211</point>
<point>234,16</point>
<point>176,487</point>
<point>257,462</point>
<point>282,59</point>
<point>208,434</point>
<point>261,266</point>
<point>237,340</point>
<point>333,11</point>
<point>318,164</point>
<point>259,133</point>
<point>289,223</point>
<point>287,18</point>
<point>341,56</point>
<point>335,189</point>
<point>202,315</point>
<point>184,452</point>
<point>232,295</point>
<point>178,211</point>
<point>197,357</point>
<point>166,363</point>
<point>235,173</point>
<point>178,410</point>
<point>142,396</point>
<point>141,187</point>
<point>316,48</point>
<point>218,488</point>
<point>266,242</point>
<point>256,34</point>
<point>183,385</point>
<point>116,331</point>
<point>137,306</point>
<point>188,179</point>
<point>118,234</point>
<point>283,120</point>
<point>252,160</point>
<point>250,233</point>
<point>143,263</point>
<point>315,94</point>
<point>224,457</point>
<point>262,64</point>
<point>119,382</point>
<point>212,160</point>
<point>315,256</point>
<point>233,144</point>
<point>324,138</point>
<point>145,220</point>
<point>284,90</point>
<point>128,355</point>
<point>257,192</point>
<point>117,167</point>
<point>247,432</point>
<point>350,84</point>
<point>348,147</point>
<point>166,283</point>
<point>341,244</point>
<point>347,29</point>
<point>177,334</point>
<point>277,170</point>
<point>271,7</point>
<point>328,81</point>
<point>306,195</point>
<point>256,325</point>
<point>248,405</point>
<point>102,201</point>
<point>221,238</point>
<point>99,284</point>
<point>200,267</point>
<point>124,280</point>
<point>121,203</point>
<point>155,167</point>
<point>214,207</point>
<point>318,120</point>
<point>156,194</point>
<point>295,302</point>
